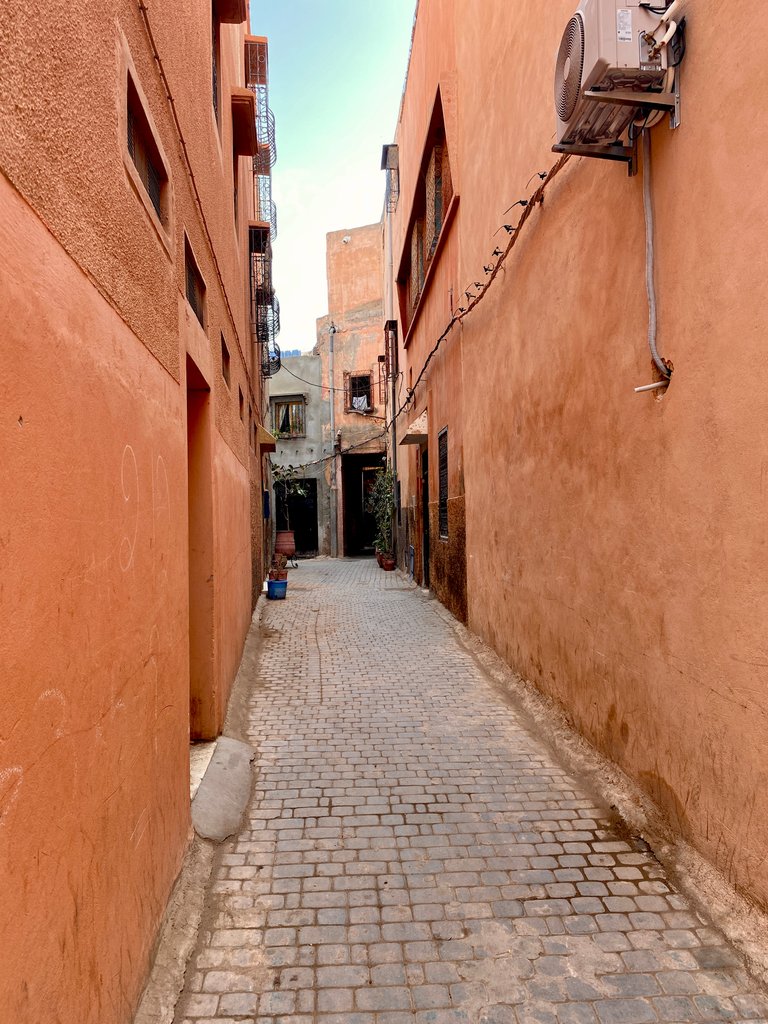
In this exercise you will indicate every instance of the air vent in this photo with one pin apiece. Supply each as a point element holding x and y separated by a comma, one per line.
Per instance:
<point>570,67</point>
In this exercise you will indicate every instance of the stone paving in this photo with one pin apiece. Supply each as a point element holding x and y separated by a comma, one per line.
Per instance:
<point>413,856</point>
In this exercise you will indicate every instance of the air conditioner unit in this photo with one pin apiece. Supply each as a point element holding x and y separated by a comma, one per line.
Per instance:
<point>613,53</point>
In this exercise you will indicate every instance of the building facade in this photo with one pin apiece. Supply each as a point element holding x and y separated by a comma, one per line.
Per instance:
<point>133,343</point>
<point>299,418</point>
<point>609,545</point>
<point>350,343</point>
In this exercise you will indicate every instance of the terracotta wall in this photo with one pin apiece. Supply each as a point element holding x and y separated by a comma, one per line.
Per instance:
<point>95,334</point>
<point>616,543</point>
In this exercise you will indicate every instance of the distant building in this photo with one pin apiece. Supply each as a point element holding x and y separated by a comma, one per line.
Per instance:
<point>299,415</point>
<point>350,339</point>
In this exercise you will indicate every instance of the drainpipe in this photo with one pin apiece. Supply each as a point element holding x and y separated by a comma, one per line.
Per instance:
<point>392,342</point>
<point>334,544</point>
<point>391,333</point>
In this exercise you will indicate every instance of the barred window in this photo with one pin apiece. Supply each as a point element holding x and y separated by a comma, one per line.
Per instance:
<point>195,285</point>
<point>442,508</point>
<point>358,392</point>
<point>289,417</point>
<point>144,151</point>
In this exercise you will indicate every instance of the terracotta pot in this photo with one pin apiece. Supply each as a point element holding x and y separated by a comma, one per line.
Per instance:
<point>387,563</point>
<point>378,558</point>
<point>285,543</point>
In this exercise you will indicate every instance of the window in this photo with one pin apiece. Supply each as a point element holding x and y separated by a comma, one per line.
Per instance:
<point>215,63</point>
<point>195,286</point>
<point>357,388</point>
<point>225,361</point>
<point>288,417</point>
<point>442,508</point>
<point>144,151</point>
<point>241,401</point>
<point>431,202</point>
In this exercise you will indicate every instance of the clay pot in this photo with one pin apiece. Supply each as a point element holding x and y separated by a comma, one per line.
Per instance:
<point>387,563</point>
<point>285,543</point>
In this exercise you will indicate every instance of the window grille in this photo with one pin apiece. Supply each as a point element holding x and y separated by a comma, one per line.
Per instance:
<point>358,392</point>
<point>434,191</point>
<point>417,265</point>
<point>215,60</point>
<point>289,418</point>
<point>195,286</point>
<point>442,455</point>
<point>144,152</point>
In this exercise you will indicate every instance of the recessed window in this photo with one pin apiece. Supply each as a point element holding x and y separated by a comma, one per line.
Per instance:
<point>242,403</point>
<point>442,507</point>
<point>195,285</point>
<point>358,392</point>
<point>225,361</point>
<point>288,417</point>
<point>144,152</point>
<point>216,63</point>
<point>432,200</point>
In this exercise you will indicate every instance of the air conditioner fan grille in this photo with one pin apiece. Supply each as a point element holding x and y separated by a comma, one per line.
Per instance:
<point>570,67</point>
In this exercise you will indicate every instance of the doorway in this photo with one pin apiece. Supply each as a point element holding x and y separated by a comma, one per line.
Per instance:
<point>425,519</point>
<point>202,695</point>
<point>358,475</point>
<point>302,515</point>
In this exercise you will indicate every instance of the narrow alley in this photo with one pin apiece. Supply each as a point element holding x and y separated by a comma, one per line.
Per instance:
<point>412,853</point>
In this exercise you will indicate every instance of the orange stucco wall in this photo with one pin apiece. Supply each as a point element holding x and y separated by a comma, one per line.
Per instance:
<point>96,590</point>
<point>615,543</point>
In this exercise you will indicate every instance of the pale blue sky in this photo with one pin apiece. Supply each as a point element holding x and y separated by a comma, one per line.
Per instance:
<point>336,74</point>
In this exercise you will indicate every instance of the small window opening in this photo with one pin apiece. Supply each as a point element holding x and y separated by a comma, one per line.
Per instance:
<point>359,392</point>
<point>288,418</point>
<point>242,403</point>
<point>195,286</point>
<point>144,151</point>
<point>215,63</point>
<point>225,361</point>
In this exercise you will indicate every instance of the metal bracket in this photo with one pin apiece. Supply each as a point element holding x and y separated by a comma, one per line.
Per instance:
<point>674,117</point>
<point>619,153</point>
<point>627,98</point>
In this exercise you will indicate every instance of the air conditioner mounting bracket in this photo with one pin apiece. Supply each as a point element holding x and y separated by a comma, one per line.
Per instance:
<point>624,154</point>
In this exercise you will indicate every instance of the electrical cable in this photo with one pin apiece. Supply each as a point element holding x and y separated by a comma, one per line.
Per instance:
<point>650,259</point>
<point>311,383</point>
<point>536,199</point>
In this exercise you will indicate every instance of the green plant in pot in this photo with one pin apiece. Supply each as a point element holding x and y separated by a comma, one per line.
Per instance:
<point>286,478</point>
<point>382,505</point>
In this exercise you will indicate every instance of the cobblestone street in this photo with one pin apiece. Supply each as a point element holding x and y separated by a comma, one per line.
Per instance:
<point>413,854</point>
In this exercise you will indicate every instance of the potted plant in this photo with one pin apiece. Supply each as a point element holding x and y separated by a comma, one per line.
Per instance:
<point>287,479</point>
<point>279,568</point>
<point>383,507</point>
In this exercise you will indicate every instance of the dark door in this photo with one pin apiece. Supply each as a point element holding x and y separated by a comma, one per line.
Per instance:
<point>425,518</point>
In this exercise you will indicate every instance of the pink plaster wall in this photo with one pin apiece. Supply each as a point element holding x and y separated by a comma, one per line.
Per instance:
<point>94,589</point>
<point>616,544</point>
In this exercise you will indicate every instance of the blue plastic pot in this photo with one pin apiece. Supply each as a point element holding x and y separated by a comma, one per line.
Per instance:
<point>276,589</point>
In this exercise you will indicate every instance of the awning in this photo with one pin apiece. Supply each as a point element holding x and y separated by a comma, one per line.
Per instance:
<point>244,137</point>
<point>417,432</point>
<point>265,440</point>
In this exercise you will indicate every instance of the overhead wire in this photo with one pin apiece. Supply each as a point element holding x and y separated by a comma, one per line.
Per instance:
<point>528,205</point>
